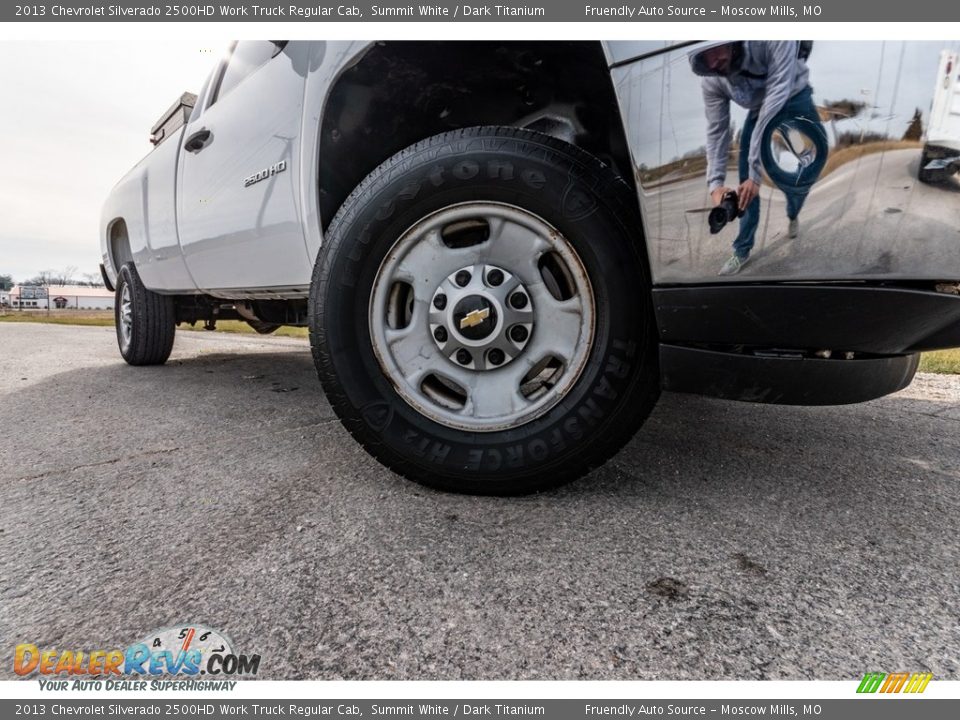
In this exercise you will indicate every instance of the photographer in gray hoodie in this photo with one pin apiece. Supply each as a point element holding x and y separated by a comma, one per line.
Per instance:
<point>771,80</point>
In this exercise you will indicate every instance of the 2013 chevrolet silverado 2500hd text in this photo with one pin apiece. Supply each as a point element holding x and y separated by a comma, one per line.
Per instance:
<point>505,250</point>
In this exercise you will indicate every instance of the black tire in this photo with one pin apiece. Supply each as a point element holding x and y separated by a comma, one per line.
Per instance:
<point>594,210</point>
<point>923,175</point>
<point>803,179</point>
<point>153,321</point>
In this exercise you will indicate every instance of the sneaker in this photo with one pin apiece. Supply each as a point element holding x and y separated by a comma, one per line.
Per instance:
<point>733,265</point>
<point>794,230</point>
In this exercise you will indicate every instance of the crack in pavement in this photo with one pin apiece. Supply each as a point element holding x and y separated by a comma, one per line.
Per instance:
<point>231,439</point>
<point>102,463</point>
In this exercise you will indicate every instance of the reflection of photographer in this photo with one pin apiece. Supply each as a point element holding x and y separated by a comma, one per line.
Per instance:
<point>770,79</point>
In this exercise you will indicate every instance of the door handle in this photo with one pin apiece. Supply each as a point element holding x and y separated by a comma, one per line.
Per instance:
<point>198,140</point>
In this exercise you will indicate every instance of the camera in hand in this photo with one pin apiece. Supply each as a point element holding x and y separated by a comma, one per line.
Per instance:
<point>727,210</point>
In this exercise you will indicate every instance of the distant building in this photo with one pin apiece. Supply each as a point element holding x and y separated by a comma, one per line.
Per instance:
<point>62,297</point>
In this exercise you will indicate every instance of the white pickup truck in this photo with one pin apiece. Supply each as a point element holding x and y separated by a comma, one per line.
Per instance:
<point>505,250</point>
<point>941,152</point>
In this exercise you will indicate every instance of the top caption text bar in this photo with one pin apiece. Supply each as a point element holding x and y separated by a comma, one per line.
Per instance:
<point>446,11</point>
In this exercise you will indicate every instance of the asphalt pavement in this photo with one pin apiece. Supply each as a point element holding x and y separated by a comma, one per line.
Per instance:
<point>726,541</point>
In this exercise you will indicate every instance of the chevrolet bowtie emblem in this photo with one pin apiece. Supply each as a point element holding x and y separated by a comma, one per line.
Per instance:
<point>474,317</point>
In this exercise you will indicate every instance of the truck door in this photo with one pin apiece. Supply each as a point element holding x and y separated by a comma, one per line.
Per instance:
<point>238,206</point>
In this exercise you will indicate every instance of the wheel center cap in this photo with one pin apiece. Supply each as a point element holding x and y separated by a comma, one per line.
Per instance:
<point>474,317</point>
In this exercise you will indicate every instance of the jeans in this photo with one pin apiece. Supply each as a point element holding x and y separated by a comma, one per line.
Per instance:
<point>799,106</point>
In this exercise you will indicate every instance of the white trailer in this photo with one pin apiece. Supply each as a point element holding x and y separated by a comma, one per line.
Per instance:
<point>941,150</point>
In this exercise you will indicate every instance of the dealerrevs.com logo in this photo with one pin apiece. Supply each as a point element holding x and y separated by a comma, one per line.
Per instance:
<point>181,651</point>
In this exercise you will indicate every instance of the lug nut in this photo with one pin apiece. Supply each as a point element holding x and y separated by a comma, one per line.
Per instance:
<point>495,356</point>
<point>440,301</point>
<point>494,277</point>
<point>462,278</point>
<point>518,333</point>
<point>440,333</point>
<point>518,300</point>
<point>464,357</point>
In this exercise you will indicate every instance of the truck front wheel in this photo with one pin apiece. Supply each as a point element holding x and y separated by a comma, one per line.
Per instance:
<point>481,315</point>
<point>145,320</point>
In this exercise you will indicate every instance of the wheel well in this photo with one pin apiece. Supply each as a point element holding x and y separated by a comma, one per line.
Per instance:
<point>402,92</point>
<point>119,244</point>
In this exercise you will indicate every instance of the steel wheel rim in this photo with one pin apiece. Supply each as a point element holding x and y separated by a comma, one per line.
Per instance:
<point>535,369</point>
<point>126,316</point>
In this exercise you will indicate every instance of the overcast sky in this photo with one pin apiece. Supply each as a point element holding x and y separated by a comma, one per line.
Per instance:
<point>76,116</point>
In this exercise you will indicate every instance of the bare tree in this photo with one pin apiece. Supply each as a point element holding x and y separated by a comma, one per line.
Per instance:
<point>66,275</point>
<point>842,109</point>
<point>44,277</point>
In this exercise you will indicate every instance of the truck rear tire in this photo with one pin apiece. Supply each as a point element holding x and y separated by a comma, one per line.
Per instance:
<point>145,320</point>
<point>924,175</point>
<point>480,313</point>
